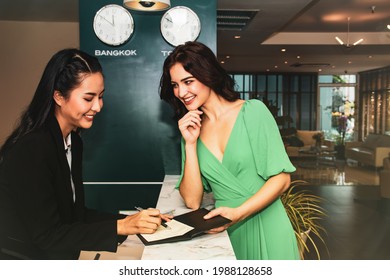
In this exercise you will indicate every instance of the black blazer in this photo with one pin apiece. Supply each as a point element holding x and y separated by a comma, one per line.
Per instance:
<point>38,218</point>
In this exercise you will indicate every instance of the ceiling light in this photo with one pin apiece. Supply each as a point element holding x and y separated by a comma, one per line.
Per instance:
<point>283,50</point>
<point>388,26</point>
<point>339,40</point>
<point>147,6</point>
<point>347,44</point>
<point>358,42</point>
<point>237,37</point>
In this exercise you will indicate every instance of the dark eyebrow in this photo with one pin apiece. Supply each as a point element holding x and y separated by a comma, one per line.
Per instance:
<point>186,78</point>
<point>93,93</point>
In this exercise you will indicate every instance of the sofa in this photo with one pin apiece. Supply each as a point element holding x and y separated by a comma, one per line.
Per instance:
<point>371,151</point>
<point>384,178</point>
<point>301,140</point>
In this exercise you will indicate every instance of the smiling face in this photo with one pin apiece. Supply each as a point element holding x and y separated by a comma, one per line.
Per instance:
<point>187,88</point>
<point>84,102</point>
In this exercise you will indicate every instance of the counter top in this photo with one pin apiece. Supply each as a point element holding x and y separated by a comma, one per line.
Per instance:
<point>208,246</point>
<point>205,247</point>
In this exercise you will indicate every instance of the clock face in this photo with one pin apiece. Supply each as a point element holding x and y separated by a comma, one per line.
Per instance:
<point>113,25</point>
<point>179,25</point>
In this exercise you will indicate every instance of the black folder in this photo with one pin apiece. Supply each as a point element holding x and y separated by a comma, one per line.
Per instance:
<point>195,220</point>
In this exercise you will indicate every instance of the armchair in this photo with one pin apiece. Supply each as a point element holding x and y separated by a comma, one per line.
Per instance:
<point>384,178</point>
<point>372,151</point>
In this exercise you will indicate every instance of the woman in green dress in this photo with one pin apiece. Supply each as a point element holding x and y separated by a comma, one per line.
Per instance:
<point>233,148</point>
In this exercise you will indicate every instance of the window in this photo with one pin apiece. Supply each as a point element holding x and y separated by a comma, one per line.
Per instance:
<point>375,101</point>
<point>337,106</point>
<point>291,96</point>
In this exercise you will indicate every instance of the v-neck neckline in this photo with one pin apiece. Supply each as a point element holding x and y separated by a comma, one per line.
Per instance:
<point>230,136</point>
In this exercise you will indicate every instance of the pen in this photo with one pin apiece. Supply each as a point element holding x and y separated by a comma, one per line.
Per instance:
<point>162,223</point>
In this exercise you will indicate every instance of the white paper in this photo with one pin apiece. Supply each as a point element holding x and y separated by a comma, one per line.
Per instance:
<point>176,228</point>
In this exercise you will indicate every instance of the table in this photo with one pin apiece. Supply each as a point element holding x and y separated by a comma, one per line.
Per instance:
<point>321,155</point>
<point>206,247</point>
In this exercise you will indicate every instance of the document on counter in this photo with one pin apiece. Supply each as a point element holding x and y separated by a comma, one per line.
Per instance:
<point>175,228</point>
<point>184,227</point>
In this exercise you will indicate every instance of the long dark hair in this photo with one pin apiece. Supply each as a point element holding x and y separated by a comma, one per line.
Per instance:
<point>63,73</point>
<point>200,61</point>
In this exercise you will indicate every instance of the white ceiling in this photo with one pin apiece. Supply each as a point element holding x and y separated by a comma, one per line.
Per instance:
<point>305,28</point>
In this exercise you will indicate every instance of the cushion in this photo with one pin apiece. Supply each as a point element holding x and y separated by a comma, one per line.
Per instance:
<point>290,131</point>
<point>386,163</point>
<point>306,136</point>
<point>383,141</point>
<point>293,141</point>
<point>361,154</point>
<point>371,141</point>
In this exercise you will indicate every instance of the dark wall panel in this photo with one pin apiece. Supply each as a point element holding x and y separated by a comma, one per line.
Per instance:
<point>113,198</point>
<point>134,138</point>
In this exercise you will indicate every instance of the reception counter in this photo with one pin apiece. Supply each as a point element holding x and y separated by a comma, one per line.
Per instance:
<point>205,247</point>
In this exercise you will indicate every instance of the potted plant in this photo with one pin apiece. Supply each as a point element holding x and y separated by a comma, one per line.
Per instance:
<point>340,148</point>
<point>319,138</point>
<point>304,212</point>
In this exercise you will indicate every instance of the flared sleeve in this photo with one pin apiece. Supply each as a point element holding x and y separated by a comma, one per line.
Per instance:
<point>268,150</point>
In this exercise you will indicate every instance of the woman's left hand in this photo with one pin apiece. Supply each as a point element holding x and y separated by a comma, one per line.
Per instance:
<point>166,217</point>
<point>230,213</point>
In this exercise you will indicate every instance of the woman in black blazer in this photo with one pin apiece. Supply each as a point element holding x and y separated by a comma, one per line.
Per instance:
<point>42,211</point>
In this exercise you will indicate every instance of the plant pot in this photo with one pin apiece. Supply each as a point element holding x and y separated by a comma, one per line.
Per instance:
<point>340,149</point>
<point>304,235</point>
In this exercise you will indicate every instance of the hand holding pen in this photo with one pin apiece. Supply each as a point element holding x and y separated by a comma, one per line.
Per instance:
<point>145,221</point>
<point>165,217</point>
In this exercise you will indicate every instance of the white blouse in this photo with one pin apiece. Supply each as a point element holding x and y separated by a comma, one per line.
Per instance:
<point>68,151</point>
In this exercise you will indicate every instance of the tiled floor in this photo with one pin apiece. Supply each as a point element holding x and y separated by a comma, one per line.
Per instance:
<point>358,219</point>
<point>336,172</point>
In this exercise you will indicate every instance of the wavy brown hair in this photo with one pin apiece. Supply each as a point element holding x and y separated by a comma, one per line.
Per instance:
<point>198,60</point>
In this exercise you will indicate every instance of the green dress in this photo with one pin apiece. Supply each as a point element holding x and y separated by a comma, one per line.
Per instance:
<point>254,152</point>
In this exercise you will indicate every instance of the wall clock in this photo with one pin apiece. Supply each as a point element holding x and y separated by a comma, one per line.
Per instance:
<point>179,25</point>
<point>113,25</point>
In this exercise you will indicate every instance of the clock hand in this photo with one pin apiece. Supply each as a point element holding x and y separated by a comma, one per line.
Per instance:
<point>113,22</point>
<point>107,20</point>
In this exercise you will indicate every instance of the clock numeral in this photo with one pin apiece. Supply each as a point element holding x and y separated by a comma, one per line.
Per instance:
<point>113,24</point>
<point>180,24</point>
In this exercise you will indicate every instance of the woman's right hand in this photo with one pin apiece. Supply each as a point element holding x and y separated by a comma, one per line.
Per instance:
<point>145,221</point>
<point>189,126</point>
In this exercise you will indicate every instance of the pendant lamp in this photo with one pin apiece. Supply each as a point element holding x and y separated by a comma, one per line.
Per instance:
<point>147,6</point>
